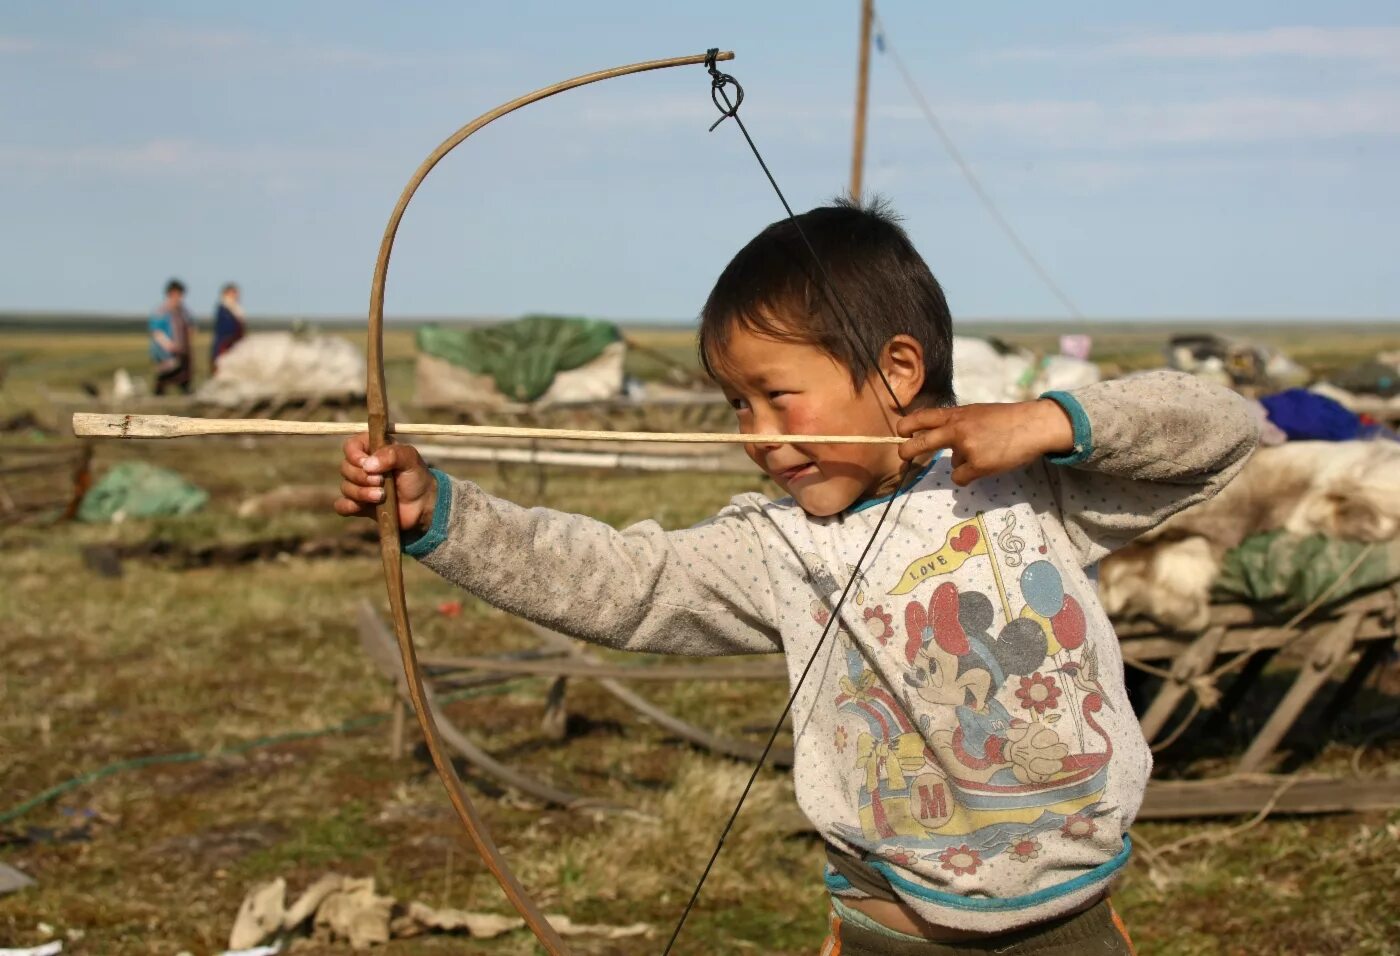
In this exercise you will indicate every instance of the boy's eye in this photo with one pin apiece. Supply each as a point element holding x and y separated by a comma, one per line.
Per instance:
<point>738,404</point>
<point>774,396</point>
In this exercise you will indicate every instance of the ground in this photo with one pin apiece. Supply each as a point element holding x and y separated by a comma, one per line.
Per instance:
<point>254,671</point>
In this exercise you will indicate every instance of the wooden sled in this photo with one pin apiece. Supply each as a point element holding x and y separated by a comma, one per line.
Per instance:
<point>561,659</point>
<point>1215,670</point>
<point>1210,674</point>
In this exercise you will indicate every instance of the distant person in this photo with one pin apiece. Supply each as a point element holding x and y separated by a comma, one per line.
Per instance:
<point>229,326</point>
<point>172,332</point>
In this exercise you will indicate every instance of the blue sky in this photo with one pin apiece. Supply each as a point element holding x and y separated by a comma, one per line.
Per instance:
<point>1189,159</point>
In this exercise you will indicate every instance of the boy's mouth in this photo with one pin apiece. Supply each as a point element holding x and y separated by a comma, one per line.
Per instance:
<point>803,470</point>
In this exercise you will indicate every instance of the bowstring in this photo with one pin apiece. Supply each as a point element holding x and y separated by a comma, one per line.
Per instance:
<point>729,109</point>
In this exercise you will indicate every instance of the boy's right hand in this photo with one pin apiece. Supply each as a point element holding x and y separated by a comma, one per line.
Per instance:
<point>362,482</point>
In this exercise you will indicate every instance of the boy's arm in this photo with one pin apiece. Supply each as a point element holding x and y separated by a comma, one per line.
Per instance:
<point>704,590</point>
<point>1145,447</point>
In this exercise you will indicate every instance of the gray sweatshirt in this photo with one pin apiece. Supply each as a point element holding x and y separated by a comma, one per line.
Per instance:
<point>964,732</point>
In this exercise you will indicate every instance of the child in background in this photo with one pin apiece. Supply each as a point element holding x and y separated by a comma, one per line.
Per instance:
<point>229,326</point>
<point>171,332</point>
<point>965,744</point>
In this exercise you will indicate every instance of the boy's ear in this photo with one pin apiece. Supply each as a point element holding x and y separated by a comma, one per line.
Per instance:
<point>902,361</point>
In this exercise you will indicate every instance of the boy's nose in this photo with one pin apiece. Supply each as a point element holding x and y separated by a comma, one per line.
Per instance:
<point>767,425</point>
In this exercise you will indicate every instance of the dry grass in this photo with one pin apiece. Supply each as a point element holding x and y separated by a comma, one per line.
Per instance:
<point>160,661</point>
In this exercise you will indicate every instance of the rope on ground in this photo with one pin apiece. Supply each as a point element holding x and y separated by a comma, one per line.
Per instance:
<point>192,756</point>
<point>1220,836</point>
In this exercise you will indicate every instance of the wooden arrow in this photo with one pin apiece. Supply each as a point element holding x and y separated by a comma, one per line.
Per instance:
<point>93,425</point>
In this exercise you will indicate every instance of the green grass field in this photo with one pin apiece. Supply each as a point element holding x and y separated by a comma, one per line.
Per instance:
<point>161,660</point>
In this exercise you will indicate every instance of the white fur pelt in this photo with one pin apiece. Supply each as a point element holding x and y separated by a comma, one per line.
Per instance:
<point>1340,489</point>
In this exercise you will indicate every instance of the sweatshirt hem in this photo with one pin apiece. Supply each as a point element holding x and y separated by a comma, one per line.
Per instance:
<point>839,885</point>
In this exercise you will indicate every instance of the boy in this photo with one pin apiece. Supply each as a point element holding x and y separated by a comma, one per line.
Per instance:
<point>171,331</point>
<point>965,744</point>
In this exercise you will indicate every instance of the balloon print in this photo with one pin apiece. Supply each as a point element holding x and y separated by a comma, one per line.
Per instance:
<point>1042,587</point>
<point>1068,625</point>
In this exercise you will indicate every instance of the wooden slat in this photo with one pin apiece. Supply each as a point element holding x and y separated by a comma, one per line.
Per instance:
<point>575,667</point>
<point>1234,615</point>
<point>1234,796</point>
<point>1374,627</point>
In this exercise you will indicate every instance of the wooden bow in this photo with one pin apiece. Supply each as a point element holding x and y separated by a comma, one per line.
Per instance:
<point>387,512</point>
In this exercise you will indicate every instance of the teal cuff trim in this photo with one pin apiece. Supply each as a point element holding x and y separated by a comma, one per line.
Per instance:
<point>1083,433</point>
<point>427,542</point>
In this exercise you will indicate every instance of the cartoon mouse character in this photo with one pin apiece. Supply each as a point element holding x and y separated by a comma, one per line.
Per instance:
<point>954,662</point>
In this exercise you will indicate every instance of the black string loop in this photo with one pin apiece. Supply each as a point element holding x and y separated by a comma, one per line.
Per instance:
<point>718,82</point>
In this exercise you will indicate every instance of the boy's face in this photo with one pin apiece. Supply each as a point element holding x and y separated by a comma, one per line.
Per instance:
<point>792,388</point>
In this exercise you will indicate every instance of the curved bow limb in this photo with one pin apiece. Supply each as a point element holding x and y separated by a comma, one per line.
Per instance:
<point>376,395</point>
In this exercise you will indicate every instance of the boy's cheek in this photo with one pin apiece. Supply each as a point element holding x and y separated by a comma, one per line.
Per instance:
<point>800,418</point>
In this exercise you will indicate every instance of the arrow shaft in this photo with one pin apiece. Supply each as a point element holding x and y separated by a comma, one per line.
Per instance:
<point>98,425</point>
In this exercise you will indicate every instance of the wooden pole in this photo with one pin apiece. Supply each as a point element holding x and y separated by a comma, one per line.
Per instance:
<point>94,425</point>
<point>867,14</point>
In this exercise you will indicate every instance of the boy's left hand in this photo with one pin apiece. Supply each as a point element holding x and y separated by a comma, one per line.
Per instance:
<point>988,439</point>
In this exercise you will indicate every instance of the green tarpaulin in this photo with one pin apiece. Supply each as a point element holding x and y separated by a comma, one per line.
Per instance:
<point>521,356</point>
<point>138,490</point>
<point>1288,572</point>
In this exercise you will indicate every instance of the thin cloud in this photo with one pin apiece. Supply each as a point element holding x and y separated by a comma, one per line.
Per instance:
<point>168,157</point>
<point>1236,119</point>
<point>1333,43</point>
<point>237,48</point>
<point>11,44</point>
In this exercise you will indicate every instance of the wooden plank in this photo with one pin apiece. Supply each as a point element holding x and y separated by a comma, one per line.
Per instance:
<point>1234,796</point>
<point>1374,627</point>
<point>610,460</point>
<point>1234,615</point>
<point>577,667</point>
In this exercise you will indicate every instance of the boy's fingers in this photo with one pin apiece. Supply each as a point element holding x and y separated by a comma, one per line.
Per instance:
<point>350,509</point>
<point>356,447</point>
<point>964,472</point>
<point>358,475</point>
<point>392,458</point>
<point>926,441</point>
<point>361,493</point>
<point>923,420</point>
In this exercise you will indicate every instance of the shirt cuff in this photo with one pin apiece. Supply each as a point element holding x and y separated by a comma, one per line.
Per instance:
<point>420,546</point>
<point>1083,433</point>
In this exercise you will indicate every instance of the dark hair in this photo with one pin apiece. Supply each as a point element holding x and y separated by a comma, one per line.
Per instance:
<point>174,285</point>
<point>774,287</point>
<point>229,287</point>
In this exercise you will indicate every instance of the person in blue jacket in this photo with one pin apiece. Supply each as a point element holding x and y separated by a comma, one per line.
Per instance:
<point>229,326</point>
<point>172,332</point>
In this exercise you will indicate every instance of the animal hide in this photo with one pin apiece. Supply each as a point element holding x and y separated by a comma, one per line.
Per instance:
<point>1345,490</point>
